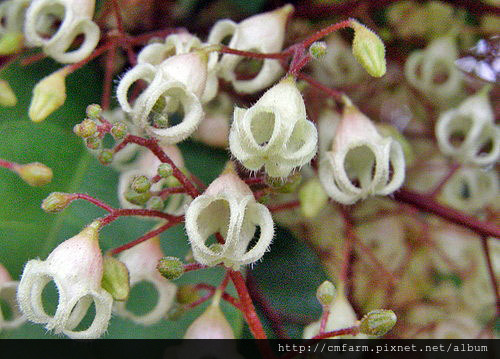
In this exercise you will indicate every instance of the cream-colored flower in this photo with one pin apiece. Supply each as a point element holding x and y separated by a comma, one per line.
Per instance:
<point>263,33</point>
<point>359,164</point>
<point>76,268</point>
<point>228,207</point>
<point>274,132</point>
<point>473,120</point>
<point>141,261</point>
<point>76,19</point>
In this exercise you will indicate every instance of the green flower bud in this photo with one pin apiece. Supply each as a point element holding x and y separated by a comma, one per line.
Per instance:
<point>318,49</point>
<point>312,198</point>
<point>155,203</point>
<point>326,293</point>
<point>94,111</point>
<point>165,170</point>
<point>48,95</point>
<point>174,182</point>
<point>119,130</point>
<point>56,202</point>
<point>93,143</point>
<point>171,267</point>
<point>10,43</point>
<point>139,199</point>
<point>368,50</point>
<point>7,96</point>
<point>105,157</point>
<point>85,129</point>
<point>115,278</point>
<point>378,322</point>
<point>141,184</point>
<point>35,174</point>
<point>187,294</point>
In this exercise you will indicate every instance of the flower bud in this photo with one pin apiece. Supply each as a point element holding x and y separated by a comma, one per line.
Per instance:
<point>378,322</point>
<point>141,184</point>
<point>85,129</point>
<point>48,95</point>
<point>212,324</point>
<point>368,49</point>
<point>318,49</point>
<point>119,130</point>
<point>56,202</point>
<point>170,267</point>
<point>94,111</point>
<point>10,43</point>
<point>312,198</point>
<point>139,199</point>
<point>326,293</point>
<point>35,174</point>
<point>187,294</point>
<point>93,143</point>
<point>115,278</point>
<point>105,157</point>
<point>165,170</point>
<point>7,96</point>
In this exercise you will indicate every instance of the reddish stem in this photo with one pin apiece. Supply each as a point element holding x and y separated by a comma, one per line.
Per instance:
<point>335,333</point>
<point>227,297</point>
<point>145,237</point>
<point>255,55</point>
<point>324,318</point>
<point>164,193</point>
<point>119,22</point>
<point>92,200</point>
<point>9,165</point>
<point>283,206</point>
<point>97,52</point>
<point>254,180</point>
<point>116,213</point>
<point>108,77</point>
<point>454,167</point>
<point>427,204</point>
<point>32,59</point>
<point>337,95</point>
<point>326,31</point>
<point>193,266</point>
<point>248,308</point>
<point>491,272</point>
<point>154,147</point>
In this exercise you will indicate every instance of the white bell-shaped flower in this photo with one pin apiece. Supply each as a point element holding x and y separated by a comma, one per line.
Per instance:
<point>263,33</point>
<point>341,316</point>
<point>183,43</point>
<point>147,165</point>
<point>12,14</point>
<point>174,86</point>
<point>338,67</point>
<point>471,189</point>
<point>8,289</point>
<point>228,207</point>
<point>361,162</point>
<point>76,19</point>
<point>141,261</point>
<point>468,132</point>
<point>274,132</point>
<point>433,72</point>
<point>76,267</point>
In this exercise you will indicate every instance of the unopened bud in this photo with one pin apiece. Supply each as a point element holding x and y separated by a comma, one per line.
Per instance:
<point>174,182</point>
<point>10,43</point>
<point>35,174</point>
<point>115,278</point>
<point>155,203</point>
<point>85,129</point>
<point>170,267</point>
<point>7,96</point>
<point>141,184</point>
<point>56,202</point>
<point>312,198</point>
<point>139,199</point>
<point>93,143</point>
<point>368,49</point>
<point>378,322</point>
<point>48,95</point>
<point>187,294</point>
<point>212,324</point>
<point>119,130</point>
<point>165,170</point>
<point>318,50</point>
<point>105,157</point>
<point>93,111</point>
<point>326,293</point>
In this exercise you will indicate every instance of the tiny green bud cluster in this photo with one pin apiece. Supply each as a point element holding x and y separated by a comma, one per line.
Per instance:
<point>171,268</point>
<point>378,322</point>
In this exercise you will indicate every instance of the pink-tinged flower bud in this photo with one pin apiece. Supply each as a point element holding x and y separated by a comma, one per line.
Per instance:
<point>360,161</point>
<point>76,267</point>
<point>263,33</point>
<point>228,207</point>
<point>8,289</point>
<point>75,17</point>
<point>212,324</point>
<point>141,261</point>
